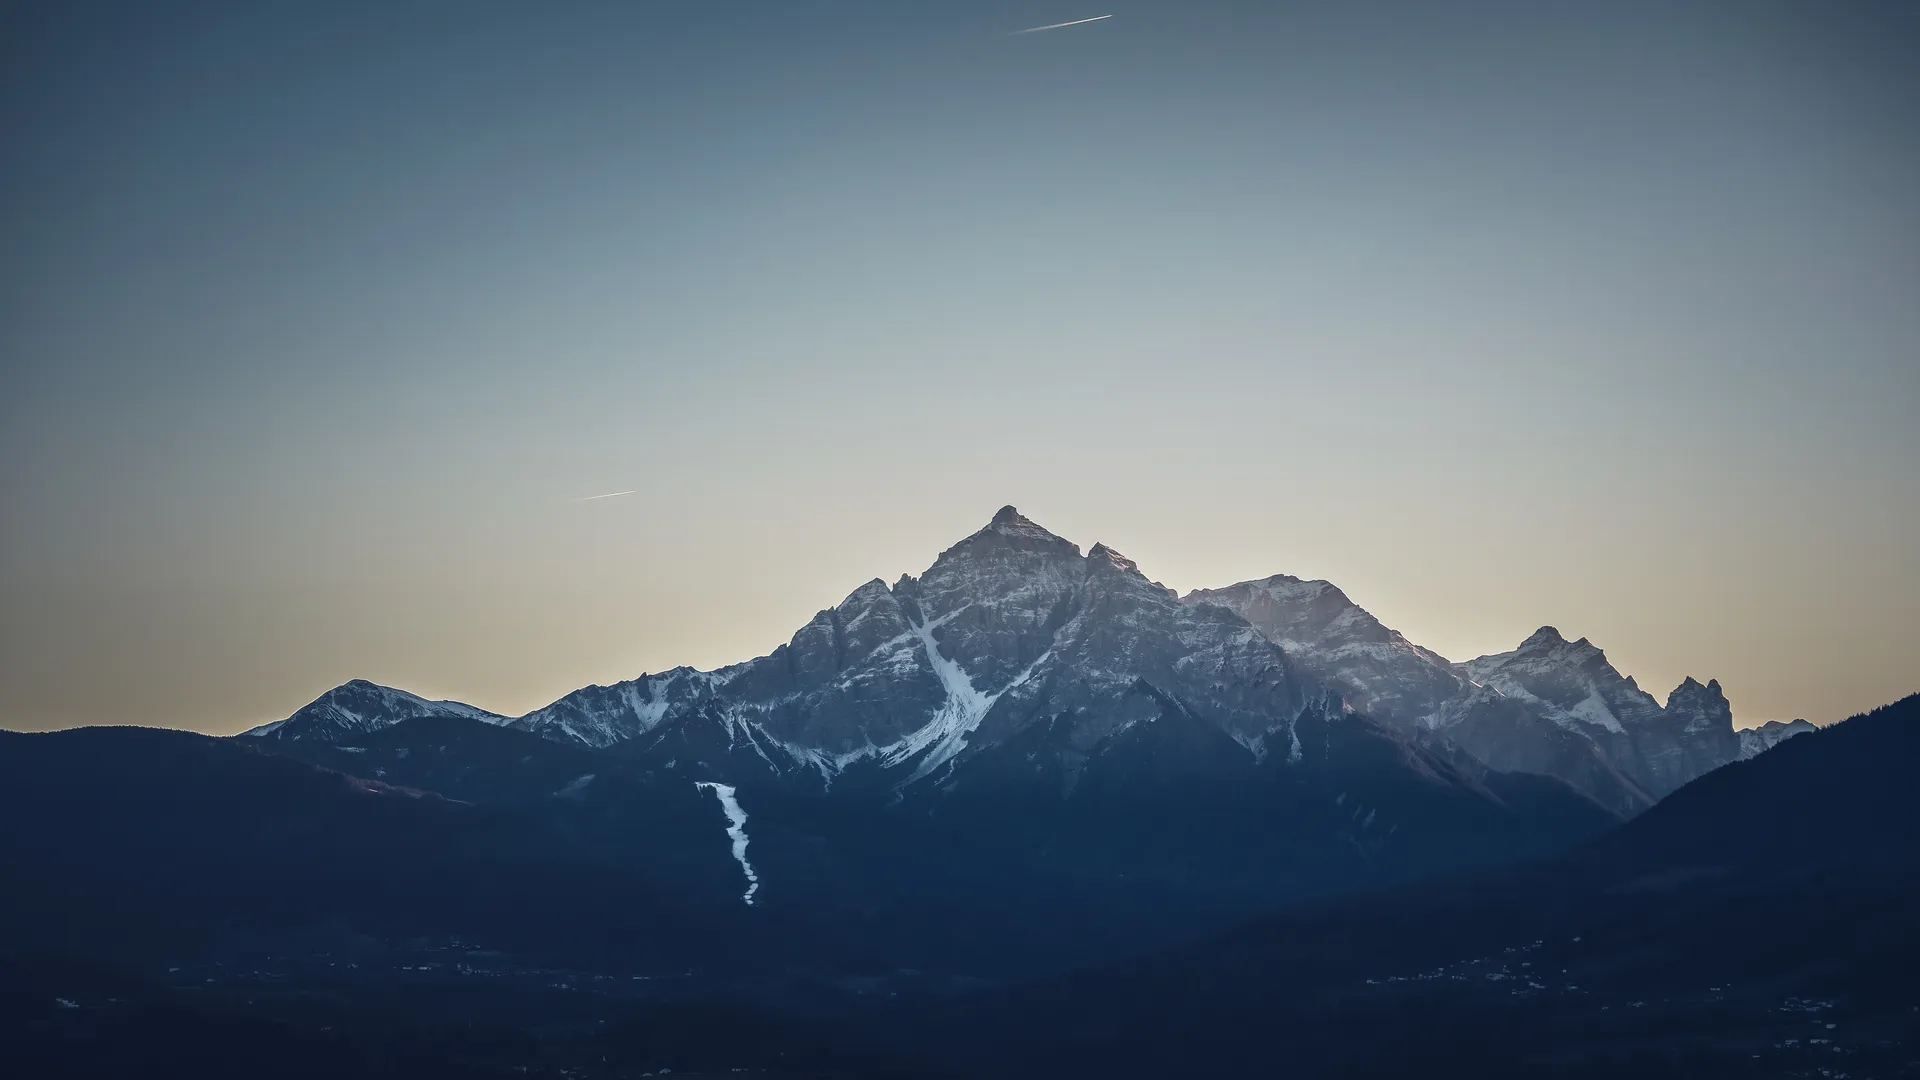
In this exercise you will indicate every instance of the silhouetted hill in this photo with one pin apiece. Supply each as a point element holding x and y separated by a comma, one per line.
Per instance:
<point>457,756</point>
<point>1682,944</point>
<point>130,842</point>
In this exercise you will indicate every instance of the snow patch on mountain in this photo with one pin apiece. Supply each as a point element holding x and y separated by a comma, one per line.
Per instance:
<point>736,832</point>
<point>359,707</point>
<point>945,735</point>
<point>648,711</point>
<point>1568,682</point>
<point>1592,709</point>
<point>1338,643</point>
<point>1755,741</point>
<point>1008,521</point>
<point>910,677</point>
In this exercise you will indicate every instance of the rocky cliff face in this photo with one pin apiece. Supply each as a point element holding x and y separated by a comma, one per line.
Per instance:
<point>359,707</point>
<point>1758,740</point>
<point>1659,748</point>
<point>1509,734</point>
<point>1015,637</point>
<point>1332,639</point>
<point>1550,706</point>
<point>1568,682</point>
<point>1024,733</point>
<point>1694,736</point>
<point>1011,627</point>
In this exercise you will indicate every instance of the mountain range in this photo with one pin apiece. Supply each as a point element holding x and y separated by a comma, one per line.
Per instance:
<point>1014,628</point>
<point>1757,923</point>
<point>1030,756</point>
<point>1027,813</point>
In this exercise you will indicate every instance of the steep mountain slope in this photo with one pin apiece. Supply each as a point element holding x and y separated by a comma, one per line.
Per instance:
<point>1021,739</point>
<point>358,708</point>
<point>1571,684</point>
<point>1568,682</point>
<point>1014,623</point>
<point>137,843</point>
<point>1010,627</point>
<point>1337,641</point>
<point>1550,706</point>
<point>1756,923</point>
<point>459,758</point>
<point>1771,734</point>
<point>1509,733</point>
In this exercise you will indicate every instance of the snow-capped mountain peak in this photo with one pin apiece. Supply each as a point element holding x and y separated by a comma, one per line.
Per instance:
<point>1013,636</point>
<point>1009,628</point>
<point>1010,522</point>
<point>358,706</point>
<point>1543,639</point>
<point>1771,734</point>
<point>1341,645</point>
<point>1547,643</point>
<point>1102,559</point>
<point>1570,682</point>
<point>1550,705</point>
<point>1305,616</point>
<point>1704,707</point>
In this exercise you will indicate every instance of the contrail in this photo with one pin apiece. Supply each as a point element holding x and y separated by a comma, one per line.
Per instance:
<point>608,495</point>
<point>1060,25</point>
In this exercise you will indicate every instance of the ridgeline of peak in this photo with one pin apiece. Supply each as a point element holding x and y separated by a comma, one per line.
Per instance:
<point>358,706</point>
<point>1338,643</point>
<point>1104,555</point>
<point>1691,687</point>
<point>1704,711</point>
<point>1548,643</point>
<point>867,593</point>
<point>1011,521</point>
<point>1547,637</point>
<point>1011,530</point>
<point>1012,624</point>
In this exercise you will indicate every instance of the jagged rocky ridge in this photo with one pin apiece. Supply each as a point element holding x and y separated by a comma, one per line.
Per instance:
<point>1014,627</point>
<point>1009,627</point>
<point>1771,734</point>
<point>1022,739</point>
<point>359,708</point>
<point>1550,706</point>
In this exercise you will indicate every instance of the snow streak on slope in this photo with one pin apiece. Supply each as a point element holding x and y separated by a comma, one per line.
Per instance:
<point>945,734</point>
<point>1754,741</point>
<point>736,831</point>
<point>647,712</point>
<point>359,707</point>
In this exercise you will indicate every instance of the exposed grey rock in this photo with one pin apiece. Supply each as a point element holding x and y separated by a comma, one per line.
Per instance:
<point>1508,734</point>
<point>1014,627</point>
<point>1693,736</point>
<point>1568,682</point>
<point>1573,685</point>
<point>1550,706</point>
<point>358,707</point>
<point>1771,734</point>
<point>1025,726</point>
<point>1332,639</point>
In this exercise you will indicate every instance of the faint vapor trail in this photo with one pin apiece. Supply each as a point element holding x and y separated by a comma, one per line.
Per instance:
<point>1059,25</point>
<point>608,495</point>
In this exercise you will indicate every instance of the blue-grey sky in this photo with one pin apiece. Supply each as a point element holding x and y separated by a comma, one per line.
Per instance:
<point>316,318</point>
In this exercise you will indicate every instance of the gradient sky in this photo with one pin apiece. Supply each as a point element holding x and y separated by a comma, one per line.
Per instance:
<point>316,318</point>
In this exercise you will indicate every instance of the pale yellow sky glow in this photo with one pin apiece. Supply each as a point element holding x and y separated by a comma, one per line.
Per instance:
<point>494,357</point>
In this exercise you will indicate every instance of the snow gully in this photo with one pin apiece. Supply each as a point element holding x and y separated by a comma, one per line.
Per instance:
<point>736,831</point>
